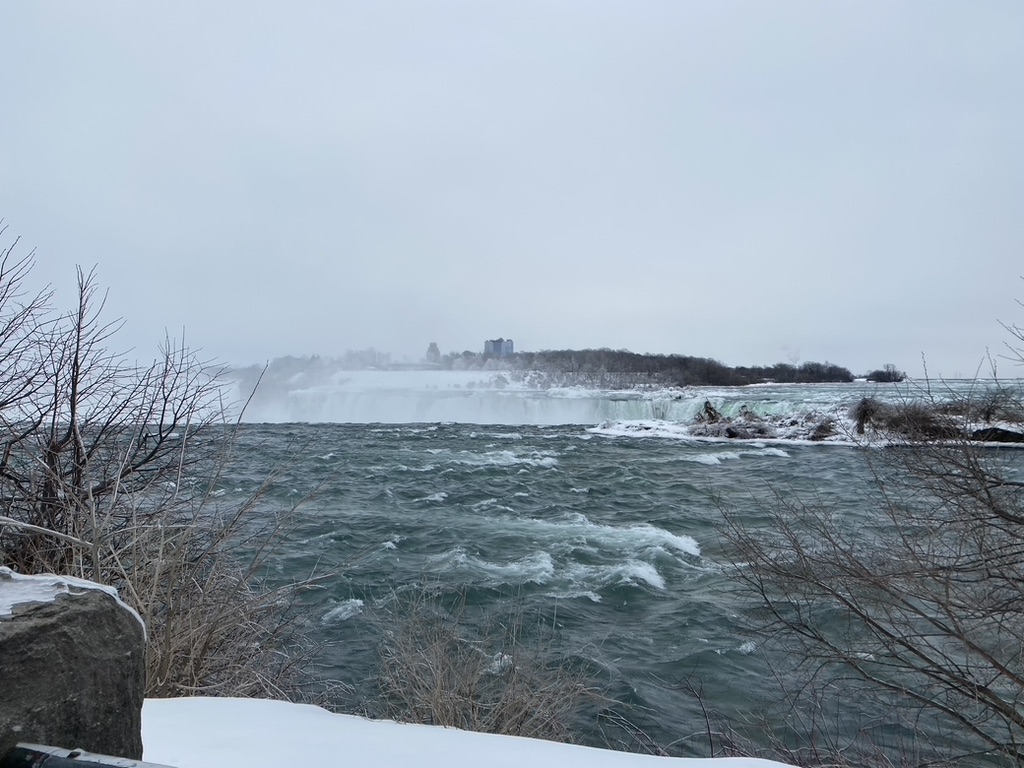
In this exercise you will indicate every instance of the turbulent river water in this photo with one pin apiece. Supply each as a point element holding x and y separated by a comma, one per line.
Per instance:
<point>607,537</point>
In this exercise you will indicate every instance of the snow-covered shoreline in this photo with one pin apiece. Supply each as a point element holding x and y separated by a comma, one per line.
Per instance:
<point>258,733</point>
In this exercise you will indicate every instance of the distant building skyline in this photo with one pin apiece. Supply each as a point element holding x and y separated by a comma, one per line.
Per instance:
<point>499,347</point>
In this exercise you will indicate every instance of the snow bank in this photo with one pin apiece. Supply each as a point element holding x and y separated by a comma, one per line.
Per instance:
<point>255,733</point>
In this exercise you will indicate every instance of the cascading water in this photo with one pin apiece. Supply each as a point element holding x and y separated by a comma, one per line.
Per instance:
<point>476,397</point>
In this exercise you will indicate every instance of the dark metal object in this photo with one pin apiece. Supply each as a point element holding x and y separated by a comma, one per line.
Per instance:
<point>39,756</point>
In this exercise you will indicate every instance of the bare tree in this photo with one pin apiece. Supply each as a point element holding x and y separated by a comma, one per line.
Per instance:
<point>107,472</point>
<point>913,604</point>
<point>87,430</point>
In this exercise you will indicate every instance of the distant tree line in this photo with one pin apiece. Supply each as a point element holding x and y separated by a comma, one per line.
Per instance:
<point>604,368</point>
<point>889,374</point>
<point>665,370</point>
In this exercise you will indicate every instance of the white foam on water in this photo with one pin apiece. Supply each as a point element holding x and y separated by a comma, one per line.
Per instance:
<point>538,567</point>
<point>575,579</point>
<point>328,536</point>
<point>506,458</point>
<point>575,594</point>
<point>498,664</point>
<point>483,504</point>
<point>630,551</point>
<point>617,538</point>
<point>630,572</point>
<point>710,459</point>
<point>576,531</point>
<point>642,428</point>
<point>343,611</point>
<point>579,530</point>
<point>646,572</point>
<point>424,468</point>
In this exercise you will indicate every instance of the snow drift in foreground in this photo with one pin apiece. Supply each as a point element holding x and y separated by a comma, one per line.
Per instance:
<point>256,733</point>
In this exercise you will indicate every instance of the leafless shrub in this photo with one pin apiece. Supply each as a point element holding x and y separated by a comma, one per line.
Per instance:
<point>106,473</point>
<point>865,412</point>
<point>920,422</point>
<point>624,734</point>
<point>910,610</point>
<point>911,420</point>
<point>811,731</point>
<point>436,670</point>
<point>824,429</point>
<point>996,402</point>
<point>214,627</point>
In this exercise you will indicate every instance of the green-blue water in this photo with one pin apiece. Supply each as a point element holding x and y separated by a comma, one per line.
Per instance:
<point>602,538</point>
<point>612,543</point>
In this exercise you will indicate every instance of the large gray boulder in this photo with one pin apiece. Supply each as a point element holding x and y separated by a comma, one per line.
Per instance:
<point>72,665</point>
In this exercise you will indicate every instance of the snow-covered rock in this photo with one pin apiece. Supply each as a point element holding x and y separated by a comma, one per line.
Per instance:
<point>72,665</point>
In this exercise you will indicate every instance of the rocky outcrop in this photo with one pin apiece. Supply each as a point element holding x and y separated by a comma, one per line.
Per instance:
<point>710,422</point>
<point>708,414</point>
<point>72,665</point>
<point>997,435</point>
<point>733,430</point>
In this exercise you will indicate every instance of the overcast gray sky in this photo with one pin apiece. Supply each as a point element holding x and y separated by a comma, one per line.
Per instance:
<point>748,180</point>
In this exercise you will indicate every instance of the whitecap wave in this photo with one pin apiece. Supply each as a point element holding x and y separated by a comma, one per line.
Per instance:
<point>536,568</point>
<point>628,573</point>
<point>343,611</point>
<point>634,538</point>
<point>435,497</point>
<point>545,459</point>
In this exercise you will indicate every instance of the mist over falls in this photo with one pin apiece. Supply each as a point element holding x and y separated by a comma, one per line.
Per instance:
<point>402,397</point>
<point>547,387</point>
<point>503,397</point>
<point>483,407</point>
